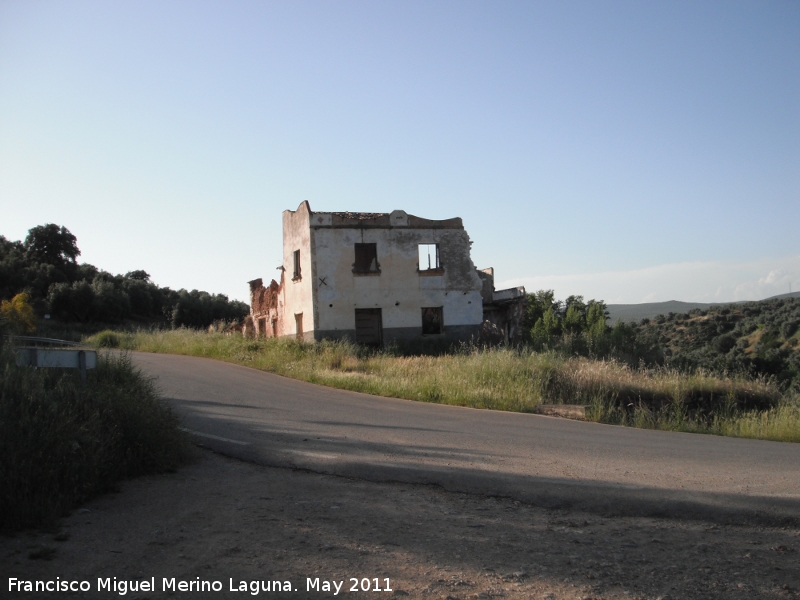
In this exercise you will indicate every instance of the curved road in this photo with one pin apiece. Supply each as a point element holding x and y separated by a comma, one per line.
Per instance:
<point>276,421</point>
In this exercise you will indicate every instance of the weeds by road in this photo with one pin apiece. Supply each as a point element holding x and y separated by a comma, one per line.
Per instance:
<point>505,379</point>
<point>62,441</point>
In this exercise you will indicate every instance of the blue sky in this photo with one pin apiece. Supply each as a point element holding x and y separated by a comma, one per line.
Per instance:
<point>630,151</point>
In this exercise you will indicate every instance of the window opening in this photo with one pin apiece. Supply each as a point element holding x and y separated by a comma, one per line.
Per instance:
<point>298,321</point>
<point>429,257</point>
<point>432,320</point>
<point>366,259</point>
<point>296,265</point>
<point>369,326</point>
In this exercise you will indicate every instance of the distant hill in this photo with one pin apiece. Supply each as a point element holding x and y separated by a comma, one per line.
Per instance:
<point>650,310</point>
<point>781,296</point>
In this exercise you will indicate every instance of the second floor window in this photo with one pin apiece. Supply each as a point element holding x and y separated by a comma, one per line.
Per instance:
<point>366,259</point>
<point>296,265</point>
<point>429,257</point>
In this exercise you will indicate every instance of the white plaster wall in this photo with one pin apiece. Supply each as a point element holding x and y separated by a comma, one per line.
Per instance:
<point>298,295</point>
<point>400,291</point>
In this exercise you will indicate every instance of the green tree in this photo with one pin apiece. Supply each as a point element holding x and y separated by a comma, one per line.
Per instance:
<point>111,304</point>
<point>546,327</point>
<point>596,318</point>
<point>72,301</point>
<point>576,302</point>
<point>138,275</point>
<point>52,245</point>
<point>537,305</point>
<point>574,320</point>
<point>551,322</point>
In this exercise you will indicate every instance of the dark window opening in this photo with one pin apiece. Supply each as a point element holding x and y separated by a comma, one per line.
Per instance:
<point>296,265</point>
<point>262,327</point>
<point>432,320</point>
<point>366,259</point>
<point>298,322</point>
<point>429,257</point>
<point>369,326</point>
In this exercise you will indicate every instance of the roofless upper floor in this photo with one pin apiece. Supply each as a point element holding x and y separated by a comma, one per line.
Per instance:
<point>359,220</point>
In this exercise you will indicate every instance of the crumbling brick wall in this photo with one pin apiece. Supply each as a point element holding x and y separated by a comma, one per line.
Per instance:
<point>265,309</point>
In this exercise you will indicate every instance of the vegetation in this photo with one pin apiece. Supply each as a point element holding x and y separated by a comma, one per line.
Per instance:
<point>45,268</point>
<point>577,328</point>
<point>515,379</point>
<point>756,339</point>
<point>62,441</point>
<point>18,314</point>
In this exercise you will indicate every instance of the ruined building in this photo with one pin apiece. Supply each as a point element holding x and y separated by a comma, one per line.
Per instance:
<point>380,277</point>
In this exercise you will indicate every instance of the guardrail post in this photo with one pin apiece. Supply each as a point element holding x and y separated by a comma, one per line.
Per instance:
<point>82,364</point>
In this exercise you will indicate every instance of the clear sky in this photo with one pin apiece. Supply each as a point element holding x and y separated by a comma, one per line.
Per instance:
<point>629,151</point>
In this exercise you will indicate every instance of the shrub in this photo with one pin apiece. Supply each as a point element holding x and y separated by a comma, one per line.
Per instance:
<point>63,442</point>
<point>18,312</point>
<point>724,343</point>
<point>788,328</point>
<point>106,339</point>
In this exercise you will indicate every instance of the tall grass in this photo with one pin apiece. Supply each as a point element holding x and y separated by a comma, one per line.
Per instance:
<point>505,379</point>
<point>63,441</point>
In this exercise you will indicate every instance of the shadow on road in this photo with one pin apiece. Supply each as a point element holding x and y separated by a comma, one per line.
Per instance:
<point>454,469</point>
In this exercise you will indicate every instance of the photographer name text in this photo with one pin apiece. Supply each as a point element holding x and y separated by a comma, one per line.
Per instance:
<point>171,584</point>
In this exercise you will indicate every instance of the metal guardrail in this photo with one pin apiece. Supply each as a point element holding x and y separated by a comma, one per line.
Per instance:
<point>69,356</point>
<point>40,340</point>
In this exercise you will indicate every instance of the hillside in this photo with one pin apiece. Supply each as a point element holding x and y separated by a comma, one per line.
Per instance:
<point>756,337</point>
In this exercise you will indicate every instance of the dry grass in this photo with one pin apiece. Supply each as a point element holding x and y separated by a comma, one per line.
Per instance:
<point>506,379</point>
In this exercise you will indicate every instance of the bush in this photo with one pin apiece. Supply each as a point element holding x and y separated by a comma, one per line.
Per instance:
<point>63,442</point>
<point>724,343</point>
<point>788,328</point>
<point>18,313</point>
<point>106,339</point>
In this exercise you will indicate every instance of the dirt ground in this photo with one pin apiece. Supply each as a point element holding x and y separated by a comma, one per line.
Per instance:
<point>222,520</point>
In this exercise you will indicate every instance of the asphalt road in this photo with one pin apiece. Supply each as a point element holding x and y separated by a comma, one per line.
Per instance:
<point>547,461</point>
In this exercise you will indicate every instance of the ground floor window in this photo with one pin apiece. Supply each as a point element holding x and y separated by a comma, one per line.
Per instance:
<point>432,320</point>
<point>369,326</point>
<point>298,321</point>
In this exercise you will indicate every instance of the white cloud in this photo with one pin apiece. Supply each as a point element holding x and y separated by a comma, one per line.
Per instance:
<point>709,281</point>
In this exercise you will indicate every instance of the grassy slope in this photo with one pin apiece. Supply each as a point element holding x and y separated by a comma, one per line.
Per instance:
<point>506,380</point>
